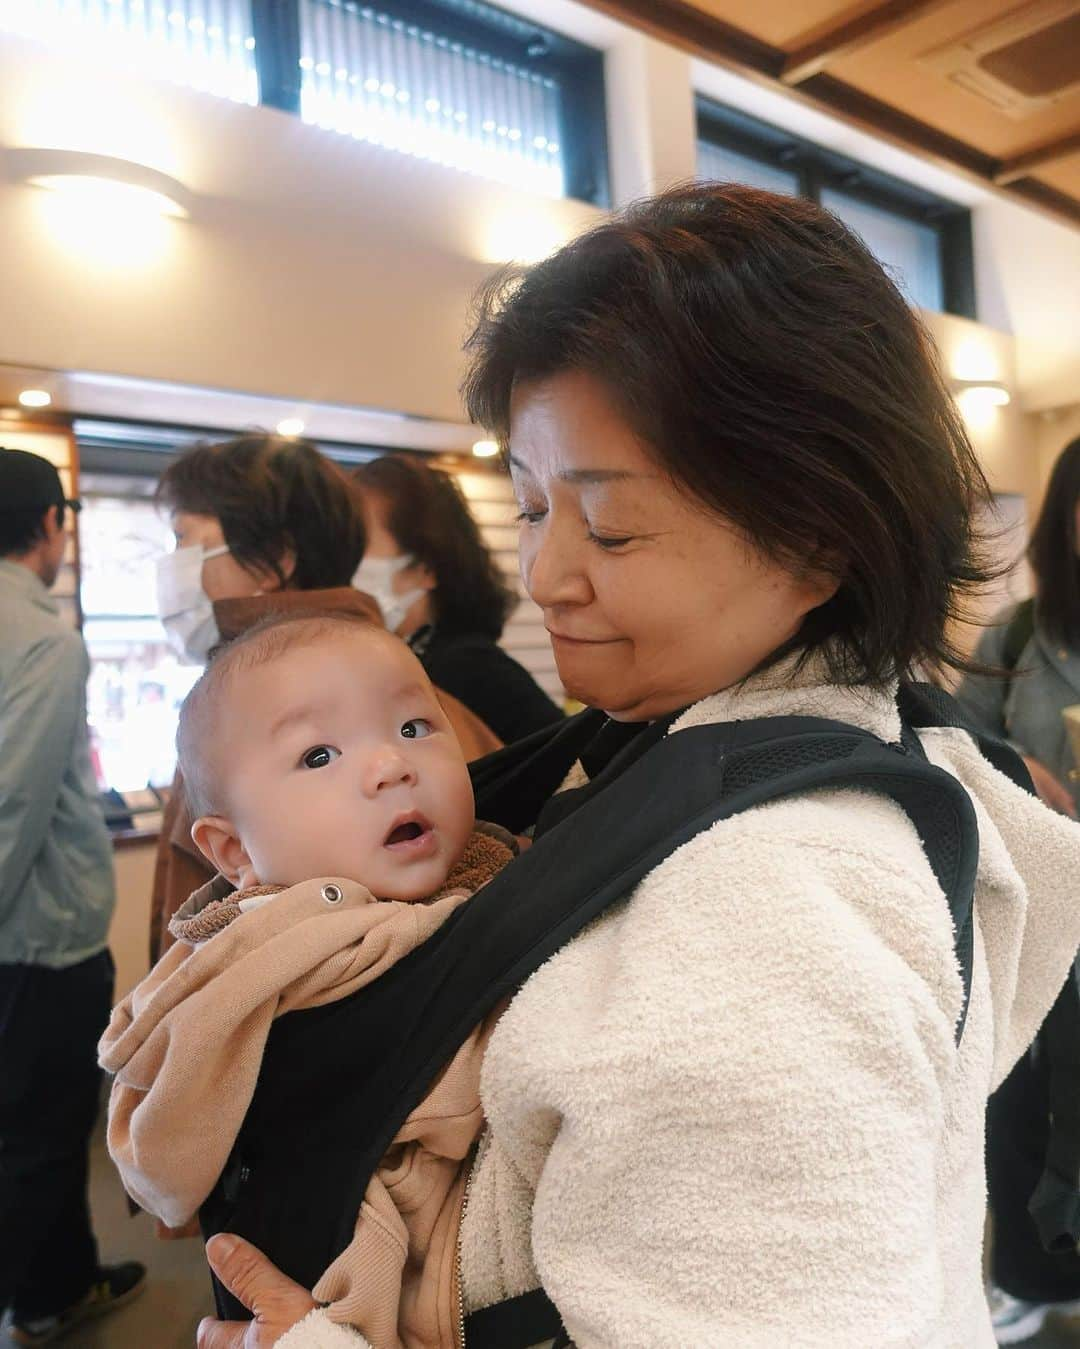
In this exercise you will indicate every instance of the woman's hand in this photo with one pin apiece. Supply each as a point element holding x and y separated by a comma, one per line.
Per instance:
<point>274,1300</point>
<point>1051,791</point>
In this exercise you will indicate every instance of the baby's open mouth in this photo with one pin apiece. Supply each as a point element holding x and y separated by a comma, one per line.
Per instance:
<point>407,829</point>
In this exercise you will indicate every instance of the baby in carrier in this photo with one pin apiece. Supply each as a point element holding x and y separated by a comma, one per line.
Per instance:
<point>331,794</point>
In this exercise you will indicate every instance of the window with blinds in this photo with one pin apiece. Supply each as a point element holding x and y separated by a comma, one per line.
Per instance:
<point>204,44</point>
<point>923,241</point>
<point>406,87</point>
<point>720,163</point>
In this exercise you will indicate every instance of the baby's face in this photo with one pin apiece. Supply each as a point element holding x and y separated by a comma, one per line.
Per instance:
<point>337,760</point>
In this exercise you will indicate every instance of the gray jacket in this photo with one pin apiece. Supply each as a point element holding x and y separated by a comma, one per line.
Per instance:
<point>56,874</point>
<point>1026,709</point>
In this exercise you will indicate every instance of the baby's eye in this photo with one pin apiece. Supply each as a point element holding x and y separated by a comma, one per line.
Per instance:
<point>319,756</point>
<point>417,729</point>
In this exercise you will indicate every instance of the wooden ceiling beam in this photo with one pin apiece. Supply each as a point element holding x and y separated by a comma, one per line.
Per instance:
<point>846,38</point>
<point>685,26</point>
<point>1022,165</point>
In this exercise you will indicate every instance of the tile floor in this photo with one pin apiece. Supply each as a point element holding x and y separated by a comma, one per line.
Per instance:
<point>177,1295</point>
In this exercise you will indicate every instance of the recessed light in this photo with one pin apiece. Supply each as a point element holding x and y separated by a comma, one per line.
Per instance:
<point>35,398</point>
<point>982,392</point>
<point>486,449</point>
<point>290,426</point>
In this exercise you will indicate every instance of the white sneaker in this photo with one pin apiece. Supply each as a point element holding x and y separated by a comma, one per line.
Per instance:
<point>1015,1320</point>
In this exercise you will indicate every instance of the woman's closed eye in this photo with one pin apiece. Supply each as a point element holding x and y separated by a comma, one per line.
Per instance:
<point>319,756</point>
<point>610,542</point>
<point>417,728</point>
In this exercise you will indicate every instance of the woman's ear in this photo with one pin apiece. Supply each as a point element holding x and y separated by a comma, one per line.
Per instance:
<point>287,565</point>
<point>218,841</point>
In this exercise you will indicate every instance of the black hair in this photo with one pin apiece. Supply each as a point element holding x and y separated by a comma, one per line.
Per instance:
<point>273,495</point>
<point>1053,551</point>
<point>429,518</point>
<point>774,370</point>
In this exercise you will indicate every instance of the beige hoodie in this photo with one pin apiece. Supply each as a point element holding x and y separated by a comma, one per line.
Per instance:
<point>186,1047</point>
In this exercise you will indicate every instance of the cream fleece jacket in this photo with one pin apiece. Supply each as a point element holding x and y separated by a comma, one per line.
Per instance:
<point>732,1111</point>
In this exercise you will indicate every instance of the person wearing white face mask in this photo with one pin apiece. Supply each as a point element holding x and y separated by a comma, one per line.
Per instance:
<point>185,609</point>
<point>438,586</point>
<point>264,525</point>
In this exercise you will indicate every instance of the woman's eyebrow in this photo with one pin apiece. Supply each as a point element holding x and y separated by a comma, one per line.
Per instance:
<point>586,476</point>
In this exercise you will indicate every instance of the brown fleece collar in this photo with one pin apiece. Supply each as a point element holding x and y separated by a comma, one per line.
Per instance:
<point>488,850</point>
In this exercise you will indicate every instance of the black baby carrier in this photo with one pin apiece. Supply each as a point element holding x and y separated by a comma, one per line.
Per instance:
<point>338,1081</point>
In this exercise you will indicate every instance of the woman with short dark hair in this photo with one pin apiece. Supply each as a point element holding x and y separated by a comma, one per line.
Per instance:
<point>734,1109</point>
<point>440,588</point>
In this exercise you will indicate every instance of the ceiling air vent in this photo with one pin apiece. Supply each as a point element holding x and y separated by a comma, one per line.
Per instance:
<point>1022,62</point>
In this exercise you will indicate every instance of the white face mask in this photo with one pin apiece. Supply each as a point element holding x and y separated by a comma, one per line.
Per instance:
<point>375,577</point>
<point>185,609</point>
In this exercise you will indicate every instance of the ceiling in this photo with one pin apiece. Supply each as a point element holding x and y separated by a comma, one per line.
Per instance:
<point>991,87</point>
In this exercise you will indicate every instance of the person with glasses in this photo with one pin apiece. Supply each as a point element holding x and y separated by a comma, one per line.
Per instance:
<point>56,900</point>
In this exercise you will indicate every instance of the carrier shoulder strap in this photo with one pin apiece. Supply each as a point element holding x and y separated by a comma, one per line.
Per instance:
<point>705,774</point>
<point>926,705</point>
<point>597,855</point>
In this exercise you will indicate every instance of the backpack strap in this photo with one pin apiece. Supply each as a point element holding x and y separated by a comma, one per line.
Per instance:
<point>926,705</point>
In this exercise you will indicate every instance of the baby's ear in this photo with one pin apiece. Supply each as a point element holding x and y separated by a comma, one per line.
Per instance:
<point>218,841</point>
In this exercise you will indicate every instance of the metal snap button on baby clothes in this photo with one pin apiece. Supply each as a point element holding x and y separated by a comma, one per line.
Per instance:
<point>332,894</point>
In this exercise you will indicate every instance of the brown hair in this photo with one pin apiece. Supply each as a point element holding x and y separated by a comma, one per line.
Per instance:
<point>1053,551</point>
<point>196,730</point>
<point>429,518</point>
<point>776,372</point>
<point>273,496</point>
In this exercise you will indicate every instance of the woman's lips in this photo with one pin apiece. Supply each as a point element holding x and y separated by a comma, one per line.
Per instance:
<point>582,641</point>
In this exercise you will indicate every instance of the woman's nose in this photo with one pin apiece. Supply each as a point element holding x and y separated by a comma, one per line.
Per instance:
<point>551,569</point>
<point>388,767</point>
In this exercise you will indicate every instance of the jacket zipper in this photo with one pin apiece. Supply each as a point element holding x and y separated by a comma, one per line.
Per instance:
<point>461,1227</point>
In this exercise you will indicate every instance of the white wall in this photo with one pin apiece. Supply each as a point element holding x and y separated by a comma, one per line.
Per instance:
<point>312,267</point>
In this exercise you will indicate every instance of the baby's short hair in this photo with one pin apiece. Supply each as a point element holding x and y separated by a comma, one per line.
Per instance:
<point>200,712</point>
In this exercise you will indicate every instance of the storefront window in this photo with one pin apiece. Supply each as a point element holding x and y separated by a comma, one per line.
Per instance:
<point>136,682</point>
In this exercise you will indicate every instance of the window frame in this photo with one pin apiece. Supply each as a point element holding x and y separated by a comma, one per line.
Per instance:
<point>819,169</point>
<point>578,68</point>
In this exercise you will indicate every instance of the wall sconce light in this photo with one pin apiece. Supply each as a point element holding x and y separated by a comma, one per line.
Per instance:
<point>983,393</point>
<point>100,179</point>
<point>485,449</point>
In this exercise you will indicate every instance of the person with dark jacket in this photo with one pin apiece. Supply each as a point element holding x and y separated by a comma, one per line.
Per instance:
<point>439,588</point>
<point>1033,1170</point>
